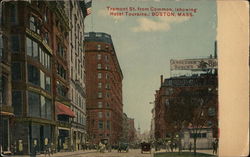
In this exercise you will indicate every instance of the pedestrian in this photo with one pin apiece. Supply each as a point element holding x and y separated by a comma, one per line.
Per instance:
<point>33,149</point>
<point>190,146</point>
<point>46,147</point>
<point>215,146</point>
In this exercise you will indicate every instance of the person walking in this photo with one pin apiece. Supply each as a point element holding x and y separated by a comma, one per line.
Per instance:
<point>190,147</point>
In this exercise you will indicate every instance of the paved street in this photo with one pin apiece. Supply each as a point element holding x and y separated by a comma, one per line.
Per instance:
<point>114,153</point>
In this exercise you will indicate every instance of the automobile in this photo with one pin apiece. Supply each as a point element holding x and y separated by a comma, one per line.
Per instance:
<point>145,147</point>
<point>123,147</point>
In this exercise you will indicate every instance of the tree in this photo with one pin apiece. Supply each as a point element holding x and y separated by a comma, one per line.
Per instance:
<point>189,108</point>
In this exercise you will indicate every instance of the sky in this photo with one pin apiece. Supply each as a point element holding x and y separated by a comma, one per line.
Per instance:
<point>145,44</point>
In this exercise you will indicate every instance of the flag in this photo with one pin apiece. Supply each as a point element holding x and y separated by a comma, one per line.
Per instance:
<point>88,4</point>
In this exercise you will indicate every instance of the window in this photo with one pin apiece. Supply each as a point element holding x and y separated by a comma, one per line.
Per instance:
<point>211,111</point>
<point>99,114</point>
<point>15,43</point>
<point>29,46</point>
<point>107,86</point>
<point>99,85</point>
<point>107,67</point>
<point>107,114</point>
<point>16,71</point>
<point>60,50</point>
<point>34,24</point>
<point>17,102</point>
<point>46,37</point>
<point>98,47</point>
<point>1,47</point>
<point>61,89</point>
<point>99,75</point>
<point>99,56</point>
<point>100,124</point>
<point>107,95</point>
<point>107,58</point>
<point>33,75</point>
<point>39,106</point>
<point>107,76</point>
<point>34,105</point>
<point>99,66</point>
<point>99,94</point>
<point>61,71</point>
<point>99,104</point>
<point>108,125</point>
<point>42,80</point>
<point>108,105</point>
<point>13,14</point>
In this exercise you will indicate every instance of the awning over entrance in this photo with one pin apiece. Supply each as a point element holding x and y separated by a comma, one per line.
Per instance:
<point>62,109</point>
<point>6,113</point>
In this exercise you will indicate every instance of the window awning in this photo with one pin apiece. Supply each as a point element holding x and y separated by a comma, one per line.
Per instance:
<point>62,109</point>
<point>6,113</point>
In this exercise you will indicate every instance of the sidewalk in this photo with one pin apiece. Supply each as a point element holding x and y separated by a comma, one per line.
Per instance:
<point>206,151</point>
<point>59,154</point>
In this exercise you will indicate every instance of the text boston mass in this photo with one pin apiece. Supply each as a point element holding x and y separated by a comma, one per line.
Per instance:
<point>150,11</point>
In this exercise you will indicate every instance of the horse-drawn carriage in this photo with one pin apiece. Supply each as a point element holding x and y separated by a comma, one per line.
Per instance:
<point>145,147</point>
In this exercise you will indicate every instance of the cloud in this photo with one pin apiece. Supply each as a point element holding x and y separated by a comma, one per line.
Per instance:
<point>162,23</point>
<point>106,13</point>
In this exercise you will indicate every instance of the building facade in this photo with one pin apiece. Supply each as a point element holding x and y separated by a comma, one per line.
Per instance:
<point>169,90</point>
<point>6,109</point>
<point>35,30</point>
<point>76,66</point>
<point>104,89</point>
<point>42,92</point>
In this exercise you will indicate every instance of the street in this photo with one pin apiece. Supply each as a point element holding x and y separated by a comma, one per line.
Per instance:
<point>114,153</point>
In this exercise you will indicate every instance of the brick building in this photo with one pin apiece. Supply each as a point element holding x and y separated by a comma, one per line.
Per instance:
<point>38,42</point>
<point>169,90</point>
<point>104,89</point>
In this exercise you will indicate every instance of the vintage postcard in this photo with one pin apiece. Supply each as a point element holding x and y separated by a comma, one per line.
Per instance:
<point>124,78</point>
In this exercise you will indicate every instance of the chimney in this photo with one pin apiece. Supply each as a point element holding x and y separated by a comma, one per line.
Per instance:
<point>161,79</point>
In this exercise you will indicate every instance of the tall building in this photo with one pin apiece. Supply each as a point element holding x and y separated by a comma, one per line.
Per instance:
<point>76,12</point>
<point>42,73</point>
<point>6,109</point>
<point>104,89</point>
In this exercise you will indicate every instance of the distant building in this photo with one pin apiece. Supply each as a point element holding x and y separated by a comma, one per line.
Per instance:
<point>104,89</point>
<point>169,90</point>
<point>128,132</point>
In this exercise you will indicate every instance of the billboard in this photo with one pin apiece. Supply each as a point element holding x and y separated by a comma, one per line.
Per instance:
<point>193,64</point>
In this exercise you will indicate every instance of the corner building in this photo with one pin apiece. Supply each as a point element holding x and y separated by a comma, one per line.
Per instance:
<point>104,89</point>
<point>38,39</point>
